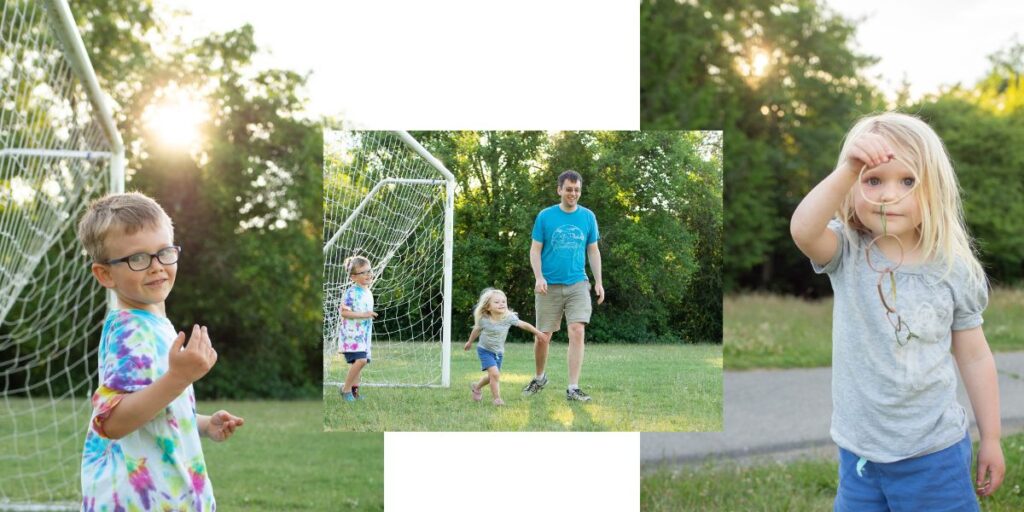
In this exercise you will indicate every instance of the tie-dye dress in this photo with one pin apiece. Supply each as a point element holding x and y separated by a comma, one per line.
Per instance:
<point>356,332</point>
<point>160,466</point>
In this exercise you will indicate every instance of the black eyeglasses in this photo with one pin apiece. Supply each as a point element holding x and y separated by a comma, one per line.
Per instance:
<point>141,261</point>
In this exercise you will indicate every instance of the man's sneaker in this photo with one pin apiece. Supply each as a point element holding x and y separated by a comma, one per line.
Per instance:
<point>535,385</point>
<point>576,395</point>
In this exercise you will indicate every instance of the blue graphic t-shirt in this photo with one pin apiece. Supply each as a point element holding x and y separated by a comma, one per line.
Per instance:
<point>565,237</point>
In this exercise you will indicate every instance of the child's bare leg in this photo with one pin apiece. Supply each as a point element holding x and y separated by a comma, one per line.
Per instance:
<point>494,376</point>
<point>483,381</point>
<point>353,375</point>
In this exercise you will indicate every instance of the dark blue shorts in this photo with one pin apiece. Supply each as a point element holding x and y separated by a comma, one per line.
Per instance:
<point>488,358</point>
<point>938,481</point>
<point>351,357</point>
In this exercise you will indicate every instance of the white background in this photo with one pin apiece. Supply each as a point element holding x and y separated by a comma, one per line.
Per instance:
<point>448,64</point>
<point>512,471</point>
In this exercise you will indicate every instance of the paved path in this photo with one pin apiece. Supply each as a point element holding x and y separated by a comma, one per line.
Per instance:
<point>781,413</point>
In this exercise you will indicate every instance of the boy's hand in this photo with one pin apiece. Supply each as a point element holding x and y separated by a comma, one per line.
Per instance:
<point>990,461</point>
<point>869,149</point>
<point>467,345</point>
<point>192,362</point>
<point>222,425</point>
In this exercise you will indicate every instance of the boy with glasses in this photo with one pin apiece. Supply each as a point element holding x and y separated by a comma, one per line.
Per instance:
<point>142,450</point>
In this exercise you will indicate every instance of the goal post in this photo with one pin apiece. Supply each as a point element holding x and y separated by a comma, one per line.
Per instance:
<point>59,150</point>
<point>388,199</point>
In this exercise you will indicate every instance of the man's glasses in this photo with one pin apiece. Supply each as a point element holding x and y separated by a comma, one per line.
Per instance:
<point>142,260</point>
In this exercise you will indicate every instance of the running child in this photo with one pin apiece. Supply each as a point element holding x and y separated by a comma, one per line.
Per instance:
<point>493,320</point>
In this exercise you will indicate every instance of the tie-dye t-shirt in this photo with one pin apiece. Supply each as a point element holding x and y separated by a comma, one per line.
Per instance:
<point>160,466</point>
<point>355,332</point>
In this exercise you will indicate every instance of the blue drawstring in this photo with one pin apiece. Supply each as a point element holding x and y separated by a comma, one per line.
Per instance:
<point>860,466</point>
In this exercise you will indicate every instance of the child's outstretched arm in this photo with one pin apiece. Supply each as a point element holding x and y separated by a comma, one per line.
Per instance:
<point>809,225</point>
<point>219,426</point>
<point>472,336</point>
<point>348,313</point>
<point>186,365</point>
<point>978,369</point>
<point>527,326</point>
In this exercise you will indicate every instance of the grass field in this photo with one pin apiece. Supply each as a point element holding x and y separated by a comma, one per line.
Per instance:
<point>796,486</point>
<point>772,331</point>
<point>652,388</point>
<point>280,460</point>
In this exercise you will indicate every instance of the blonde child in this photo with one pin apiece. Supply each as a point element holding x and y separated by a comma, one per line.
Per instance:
<point>356,323</point>
<point>492,322</point>
<point>142,450</point>
<point>902,436</point>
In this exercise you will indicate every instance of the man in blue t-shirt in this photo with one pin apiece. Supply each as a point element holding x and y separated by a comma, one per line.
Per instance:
<point>564,236</point>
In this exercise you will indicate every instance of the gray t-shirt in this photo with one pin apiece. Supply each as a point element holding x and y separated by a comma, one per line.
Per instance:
<point>893,402</point>
<point>493,333</point>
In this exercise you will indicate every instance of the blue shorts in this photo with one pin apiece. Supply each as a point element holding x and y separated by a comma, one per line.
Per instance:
<point>351,357</point>
<point>488,358</point>
<point>935,482</point>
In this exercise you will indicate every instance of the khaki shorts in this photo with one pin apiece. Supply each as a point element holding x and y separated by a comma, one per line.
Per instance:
<point>571,300</point>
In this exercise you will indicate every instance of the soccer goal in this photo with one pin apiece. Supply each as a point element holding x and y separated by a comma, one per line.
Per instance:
<point>388,199</point>
<point>59,149</point>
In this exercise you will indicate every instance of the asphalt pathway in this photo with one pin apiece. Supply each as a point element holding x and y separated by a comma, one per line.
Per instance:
<point>781,414</point>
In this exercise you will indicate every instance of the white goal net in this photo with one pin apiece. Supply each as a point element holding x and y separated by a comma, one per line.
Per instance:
<point>59,149</point>
<point>389,200</point>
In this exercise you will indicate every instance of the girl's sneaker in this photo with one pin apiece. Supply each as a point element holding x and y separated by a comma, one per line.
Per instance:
<point>477,394</point>
<point>355,393</point>
<point>348,397</point>
<point>499,402</point>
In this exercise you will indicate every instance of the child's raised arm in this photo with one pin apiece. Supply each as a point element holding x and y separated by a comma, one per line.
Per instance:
<point>809,225</point>
<point>185,366</point>
<point>472,336</point>
<point>527,326</point>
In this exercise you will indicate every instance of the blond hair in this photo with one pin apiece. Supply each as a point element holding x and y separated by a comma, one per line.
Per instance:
<point>943,231</point>
<point>482,305</point>
<point>353,263</point>
<point>126,214</point>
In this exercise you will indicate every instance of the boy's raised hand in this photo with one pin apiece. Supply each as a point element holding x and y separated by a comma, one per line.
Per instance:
<point>222,425</point>
<point>190,361</point>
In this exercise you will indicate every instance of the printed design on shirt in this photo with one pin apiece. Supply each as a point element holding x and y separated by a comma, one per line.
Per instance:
<point>924,360</point>
<point>568,237</point>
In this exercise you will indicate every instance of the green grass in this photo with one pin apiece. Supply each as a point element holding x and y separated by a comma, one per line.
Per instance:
<point>648,388</point>
<point>280,460</point>
<point>773,331</point>
<point>796,486</point>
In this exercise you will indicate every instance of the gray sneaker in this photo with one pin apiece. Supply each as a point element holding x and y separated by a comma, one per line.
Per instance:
<point>576,395</point>
<point>535,385</point>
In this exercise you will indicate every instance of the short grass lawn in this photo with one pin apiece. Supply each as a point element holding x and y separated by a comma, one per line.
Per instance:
<point>647,388</point>
<point>279,460</point>
<point>796,486</point>
<point>773,331</point>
